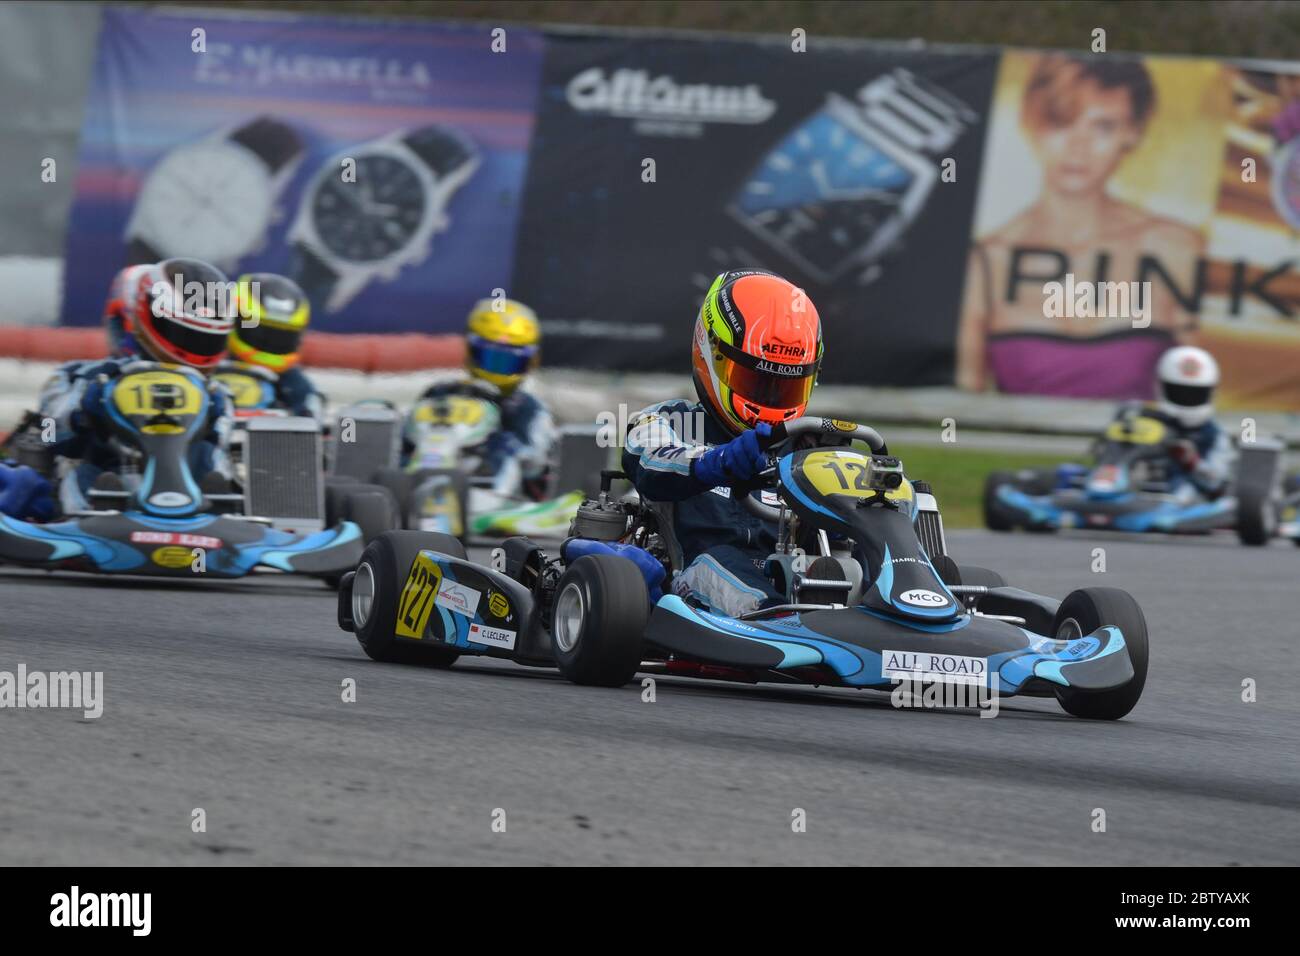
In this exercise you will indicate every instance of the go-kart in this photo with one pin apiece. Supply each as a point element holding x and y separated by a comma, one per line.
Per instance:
<point>871,599</point>
<point>155,518</point>
<point>1132,485</point>
<point>445,485</point>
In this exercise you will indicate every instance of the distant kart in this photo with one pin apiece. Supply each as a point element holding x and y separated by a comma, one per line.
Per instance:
<point>156,519</point>
<point>444,485</point>
<point>1132,487</point>
<point>879,603</point>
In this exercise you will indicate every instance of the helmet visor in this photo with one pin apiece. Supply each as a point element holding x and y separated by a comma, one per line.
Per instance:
<point>766,383</point>
<point>268,338</point>
<point>500,359</point>
<point>1188,396</point>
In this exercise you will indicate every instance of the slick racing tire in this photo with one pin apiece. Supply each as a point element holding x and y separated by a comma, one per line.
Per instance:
<point>995,517</point>
<point>1082,612</point>
<point>600,612</point>
<point>400,483</point>
<point>377,592</point>
<point>1256,516</point>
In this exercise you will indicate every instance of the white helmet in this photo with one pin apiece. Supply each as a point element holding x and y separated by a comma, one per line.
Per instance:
<point>1187,378</point>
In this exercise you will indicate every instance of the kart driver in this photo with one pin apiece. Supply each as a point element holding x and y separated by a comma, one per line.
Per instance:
<point>151,315</point>
<point>1185,381</point>
<point>755,355</point>
<point>503,343</point>
<point>273,314</point>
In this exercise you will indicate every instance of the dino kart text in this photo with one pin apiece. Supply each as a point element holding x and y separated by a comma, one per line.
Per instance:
<point>880,602</point>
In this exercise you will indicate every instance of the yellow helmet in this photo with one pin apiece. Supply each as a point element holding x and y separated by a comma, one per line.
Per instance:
<point>273,313</point>
<point>504,342</point>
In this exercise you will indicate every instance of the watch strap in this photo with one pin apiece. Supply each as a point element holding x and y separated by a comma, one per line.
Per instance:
<point>270,140</point>
<point>316,277</point>
<point>138,252</point>
<point>441,149</point>
<point>914,111</point>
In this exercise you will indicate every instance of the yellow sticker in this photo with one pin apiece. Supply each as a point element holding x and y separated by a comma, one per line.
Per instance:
<point>845,473</point>
<point>417,596</point>
<point>172,557</point>
<point>157,393</point>
<point>245,390</point>
<point>843,425</point>
<point>1140,431</point>
<point>498,604</point>
<point>453,410</point>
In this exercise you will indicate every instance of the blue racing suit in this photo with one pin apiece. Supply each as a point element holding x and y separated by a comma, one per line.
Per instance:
<point>1216,455</point>
<point>718,546</point>
<point>520,452</point>
<point>73,398</point>
<point>295,393</point>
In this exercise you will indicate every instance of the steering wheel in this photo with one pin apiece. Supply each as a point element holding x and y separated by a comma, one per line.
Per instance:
<point>785,435</point>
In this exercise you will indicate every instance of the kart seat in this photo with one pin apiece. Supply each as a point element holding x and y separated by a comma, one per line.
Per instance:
<point>651,569</point>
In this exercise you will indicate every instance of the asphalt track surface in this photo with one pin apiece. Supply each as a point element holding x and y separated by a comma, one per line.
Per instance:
<point>228,698</point>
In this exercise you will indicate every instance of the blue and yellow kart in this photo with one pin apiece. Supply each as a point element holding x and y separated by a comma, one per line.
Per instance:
<point>159,521</point>
<point>871,599</point>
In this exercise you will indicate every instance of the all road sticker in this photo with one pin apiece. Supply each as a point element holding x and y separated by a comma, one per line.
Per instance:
<point>929,666</point>
<point>458,598</point>
<point>492,636</point>
<point>417,596</point>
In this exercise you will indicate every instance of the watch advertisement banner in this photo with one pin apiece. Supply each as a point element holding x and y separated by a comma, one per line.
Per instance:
<point>850,169</point>
<point>379,163</point>
<point>1177,179</point>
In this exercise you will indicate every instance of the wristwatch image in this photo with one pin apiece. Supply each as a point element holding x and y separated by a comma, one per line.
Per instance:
<point>843,185</point>
<point>214,199</point>
<point>349,232</point>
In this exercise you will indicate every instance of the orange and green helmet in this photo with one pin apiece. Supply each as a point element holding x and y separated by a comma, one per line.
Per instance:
<point>273,312</point>
<point>756,351</point>
<point>503,342</point>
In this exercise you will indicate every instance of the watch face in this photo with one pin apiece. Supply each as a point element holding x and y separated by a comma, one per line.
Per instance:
<point>373,217</point>
<point>827,190</point>
<point>211,200</point>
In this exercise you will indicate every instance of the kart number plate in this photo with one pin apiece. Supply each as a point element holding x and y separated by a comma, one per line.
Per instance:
<point>417,597</point>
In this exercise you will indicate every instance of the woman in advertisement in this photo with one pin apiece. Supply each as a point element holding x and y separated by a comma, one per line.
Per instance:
<point>1030,323</point>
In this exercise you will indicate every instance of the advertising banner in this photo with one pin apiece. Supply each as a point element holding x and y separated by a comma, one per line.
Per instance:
<point>850,169</point>
<point>379,163</point>
<point>1167,187</point>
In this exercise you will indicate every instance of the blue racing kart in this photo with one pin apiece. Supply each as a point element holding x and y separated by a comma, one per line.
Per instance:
<point>871,599</point>
<point>157,520</point>
<point>1133,485</point>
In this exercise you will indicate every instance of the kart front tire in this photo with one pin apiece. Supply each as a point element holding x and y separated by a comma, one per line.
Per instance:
<point>995,518</point>
<point>382,572</point>
<point>600,611</point>
<point>1256,516</point>
<point>1091,608</point>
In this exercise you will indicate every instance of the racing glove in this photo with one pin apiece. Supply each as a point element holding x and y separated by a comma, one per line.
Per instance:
<point>738,460</point>
<point>1185,453</point>
<point>25,493</point>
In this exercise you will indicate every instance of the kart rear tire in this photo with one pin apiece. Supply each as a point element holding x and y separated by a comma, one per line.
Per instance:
<point>1091,608</point>
<point>1256,516</point>
<point>389,559</point>
<point>600,611</point>
<point>373,509</point>
<point>995,518</point>
<point>399,482</point>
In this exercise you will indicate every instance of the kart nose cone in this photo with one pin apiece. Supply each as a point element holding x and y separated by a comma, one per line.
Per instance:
<point>363,595</point>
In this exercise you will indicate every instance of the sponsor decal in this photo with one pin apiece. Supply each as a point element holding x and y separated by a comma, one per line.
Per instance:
<point>721,490</point>
<point>843,426</point>
<point>929,666</point>
<point>416,602</point>
<point>498,604</point>
<point>458,598</point>
<point>920,597</point>
<point>492,636</point>
<point>171,537</point>
<point>171,556</point>
<point>635,94</point>
<point>778,368</point>
<point>769,497</point>
<point>169,499</point>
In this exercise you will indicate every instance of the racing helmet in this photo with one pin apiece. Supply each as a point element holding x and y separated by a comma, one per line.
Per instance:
<point>273,314</point>
<point>756,351</point>
<point>1187,377</point>
<point>503,340</point>
<point>174,311</point>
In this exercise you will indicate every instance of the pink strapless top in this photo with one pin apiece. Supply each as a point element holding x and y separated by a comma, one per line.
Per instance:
<point>1118,365</point>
